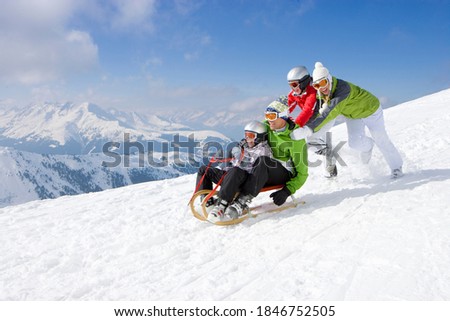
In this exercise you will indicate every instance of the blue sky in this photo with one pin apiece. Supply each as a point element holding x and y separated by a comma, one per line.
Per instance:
<point>153,55</point>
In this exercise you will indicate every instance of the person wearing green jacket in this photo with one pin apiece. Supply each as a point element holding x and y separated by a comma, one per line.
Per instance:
<point>288,165</point>
<point>360,108</point>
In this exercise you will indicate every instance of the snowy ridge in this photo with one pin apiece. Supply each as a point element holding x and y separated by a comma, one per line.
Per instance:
<point>359,237</point>
<point>58,149</point>
<point>30,176</point>
<point>84,128</point>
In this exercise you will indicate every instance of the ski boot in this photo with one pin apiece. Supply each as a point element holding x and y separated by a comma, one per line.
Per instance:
<point>217,214</point>
<point>239,206</point>
<point>397,173</point>
<point>210,202</point>
<point>331,171</point>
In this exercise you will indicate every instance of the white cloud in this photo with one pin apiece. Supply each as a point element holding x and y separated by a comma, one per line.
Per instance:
<point>305,6</point>
<point>37,15</point>
<point>37,46</point>
<point>191,56</point>
<point>154,61</point>
<point>45,93</point>
<point>205,40</point>
<point>187,7</point>
<point>32,60</point>
<point>251,104</point>
<point>132,13</point>
<point>81,50</point>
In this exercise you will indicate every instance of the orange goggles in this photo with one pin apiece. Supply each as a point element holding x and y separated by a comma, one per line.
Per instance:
<point>320,83</point>
<point>294,84</point>
<point>250,135</point>
<point>271,115</point>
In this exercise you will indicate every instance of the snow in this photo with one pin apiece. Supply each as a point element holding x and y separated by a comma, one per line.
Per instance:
<point>30,176</point>
<point>64,125</point>
<point>361,236</point>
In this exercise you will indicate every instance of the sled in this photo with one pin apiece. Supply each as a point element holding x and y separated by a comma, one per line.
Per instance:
<point>200,211</point>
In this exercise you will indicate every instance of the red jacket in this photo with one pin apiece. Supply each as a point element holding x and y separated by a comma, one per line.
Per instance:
<point>306,101</point>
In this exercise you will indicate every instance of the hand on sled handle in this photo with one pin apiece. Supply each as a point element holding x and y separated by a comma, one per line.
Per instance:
<point>301,133</point>
<point>279,197</point>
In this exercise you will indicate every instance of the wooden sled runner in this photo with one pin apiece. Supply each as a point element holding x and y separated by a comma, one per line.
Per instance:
<point>200,211</point>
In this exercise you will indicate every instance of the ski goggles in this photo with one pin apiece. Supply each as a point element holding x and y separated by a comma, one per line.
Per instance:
<point>320,83</point>
<point>294,84</point>
<point>271,115</point>
<point>250,135</point>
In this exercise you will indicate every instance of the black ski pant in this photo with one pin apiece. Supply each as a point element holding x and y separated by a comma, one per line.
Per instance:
<point>230,185</point>
<point>213,175</point>
<point>266,172</point>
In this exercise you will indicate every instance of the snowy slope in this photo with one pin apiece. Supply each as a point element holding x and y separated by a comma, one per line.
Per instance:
<point>359,237</point>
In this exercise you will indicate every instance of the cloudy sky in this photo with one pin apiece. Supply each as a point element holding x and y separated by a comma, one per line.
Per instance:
<point>148,55</point>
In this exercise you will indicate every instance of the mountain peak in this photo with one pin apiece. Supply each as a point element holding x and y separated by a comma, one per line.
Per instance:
<point>79,128</point>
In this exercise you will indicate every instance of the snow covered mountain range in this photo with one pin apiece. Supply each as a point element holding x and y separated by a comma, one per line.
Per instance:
<point>361,236</point>
<point>50,150</point>
<point>30,176</point>
<point>85,128</point>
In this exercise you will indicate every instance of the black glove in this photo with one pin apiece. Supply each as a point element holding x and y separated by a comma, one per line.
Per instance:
<point>243,143</point>
<point>279,197</point>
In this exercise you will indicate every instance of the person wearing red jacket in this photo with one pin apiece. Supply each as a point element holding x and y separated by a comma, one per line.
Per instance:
<point>304,96</point>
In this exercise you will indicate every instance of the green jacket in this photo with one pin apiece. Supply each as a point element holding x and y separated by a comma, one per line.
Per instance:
<point>292,154</point>
<point>346,99</point>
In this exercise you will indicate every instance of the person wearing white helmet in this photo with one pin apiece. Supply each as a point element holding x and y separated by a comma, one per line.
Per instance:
<point>361,109</point>
<point>303,95</point>
<point>250,148</point>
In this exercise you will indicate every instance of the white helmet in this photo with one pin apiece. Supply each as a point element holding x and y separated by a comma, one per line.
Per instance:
<point>300,74</point>
<point>259,129</point>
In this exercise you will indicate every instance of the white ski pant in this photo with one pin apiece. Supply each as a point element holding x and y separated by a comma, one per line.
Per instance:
<point>358,140</point>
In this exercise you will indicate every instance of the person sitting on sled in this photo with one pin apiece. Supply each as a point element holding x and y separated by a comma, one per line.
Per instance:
<point>251,147</point>
<point>288,166</point>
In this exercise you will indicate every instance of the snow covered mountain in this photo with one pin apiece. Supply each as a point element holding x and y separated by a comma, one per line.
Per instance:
<point>86,128</point>
<point>361,236</point>
<point>58,149</point>
<point>31,176</point>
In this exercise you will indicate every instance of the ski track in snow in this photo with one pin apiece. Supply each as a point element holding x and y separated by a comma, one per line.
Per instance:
<point>360,236</point>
